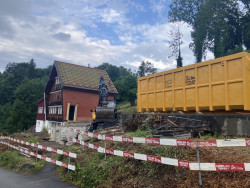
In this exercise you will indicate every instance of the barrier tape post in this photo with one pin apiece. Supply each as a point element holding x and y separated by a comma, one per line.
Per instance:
<point>18,147</point>
<point>68,163</point>
<point>198,160</point>
<point>36,153</point>
<point>8,143</point>
<point>83,145</point>
<point>105,155</point>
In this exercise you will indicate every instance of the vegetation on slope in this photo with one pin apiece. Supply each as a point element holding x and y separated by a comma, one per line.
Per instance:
<point>14,160</point>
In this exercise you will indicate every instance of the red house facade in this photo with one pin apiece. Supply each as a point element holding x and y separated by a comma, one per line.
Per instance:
<point>40,118</point>
<point>71,92</point>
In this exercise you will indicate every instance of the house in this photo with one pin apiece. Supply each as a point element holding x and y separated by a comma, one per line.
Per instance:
<point>71,92</point>
<point>40,118</point>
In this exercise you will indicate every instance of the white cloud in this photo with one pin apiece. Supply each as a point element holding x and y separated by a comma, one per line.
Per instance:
<point>58,31</point>
<point>112,16</point>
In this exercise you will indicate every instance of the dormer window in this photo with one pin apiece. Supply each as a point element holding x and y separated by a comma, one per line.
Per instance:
<point>57,80</point>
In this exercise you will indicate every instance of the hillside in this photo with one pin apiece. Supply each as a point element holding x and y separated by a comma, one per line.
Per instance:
<point>92,170</point>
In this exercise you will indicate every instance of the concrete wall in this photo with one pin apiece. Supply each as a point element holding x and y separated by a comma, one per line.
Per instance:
<point>60,134</point>
<point>40,124</point>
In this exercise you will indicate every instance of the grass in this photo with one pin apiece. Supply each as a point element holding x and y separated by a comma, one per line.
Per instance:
<point>31,140</point>
<point>13,160</point>
<point>95,171</point>
<point>214,136</point>
<point>125,107</point>
<point>141,133</point>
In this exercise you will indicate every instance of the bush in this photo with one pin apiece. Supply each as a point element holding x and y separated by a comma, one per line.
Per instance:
<point>45,130</point>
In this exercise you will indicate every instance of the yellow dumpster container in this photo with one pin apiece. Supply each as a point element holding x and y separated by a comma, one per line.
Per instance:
<point>219,84</point>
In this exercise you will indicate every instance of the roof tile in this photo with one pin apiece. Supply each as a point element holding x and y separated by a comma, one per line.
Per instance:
<point>82,77</point>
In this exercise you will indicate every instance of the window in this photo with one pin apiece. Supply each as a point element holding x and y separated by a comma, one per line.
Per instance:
<point>52,110</point>
<point>57,80</point>
<point>55,109</point>
<point>40,110</point>
<point>59,110</point>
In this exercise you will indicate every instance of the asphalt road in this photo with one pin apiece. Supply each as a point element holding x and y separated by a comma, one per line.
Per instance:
<point>46,178</point>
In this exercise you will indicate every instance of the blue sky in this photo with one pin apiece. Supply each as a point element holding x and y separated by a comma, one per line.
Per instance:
<point>120,32</point>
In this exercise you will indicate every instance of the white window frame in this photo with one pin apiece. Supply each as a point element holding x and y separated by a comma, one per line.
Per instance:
<point>55,109</point>
<point>59,110</point>
<point>40,110</point>
<point>57,80</point>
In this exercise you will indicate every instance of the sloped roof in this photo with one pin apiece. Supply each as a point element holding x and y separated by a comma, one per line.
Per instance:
<point>82,77</point>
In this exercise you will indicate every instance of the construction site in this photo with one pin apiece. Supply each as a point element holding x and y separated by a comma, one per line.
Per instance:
<point>191,127</point>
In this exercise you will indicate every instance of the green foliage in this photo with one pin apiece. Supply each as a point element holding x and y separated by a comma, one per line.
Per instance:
<point>121,77</point>
<point>13,160</point>
<point>214,136</point>
<point>127,87</point>
<point>94,173</point>
<point>218,47</point>
<point>146,68</point>
<point>60,157</point>
<point>179,61</point>
<point>146,132</point>
<point>21,86</point>
<point>185,10</point>
<point>236,50</point>
<point>171,152</point>
<point>44,130</point>
<point>220,26</point>
<point>113,71</point>
<point>31,140</point>
<point>125,107</point>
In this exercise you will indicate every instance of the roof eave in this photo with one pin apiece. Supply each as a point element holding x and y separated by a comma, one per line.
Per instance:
<point>84,89</point>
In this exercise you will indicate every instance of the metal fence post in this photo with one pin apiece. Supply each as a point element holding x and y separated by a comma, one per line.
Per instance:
<point>105,155</point>
<point>198,160</point>
<point>68,162</point>
<point>18,147</point>
<point>83,144</point>
<point>36,152</point>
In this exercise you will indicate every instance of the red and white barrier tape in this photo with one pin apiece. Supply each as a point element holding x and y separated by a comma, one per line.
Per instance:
<point>50,160</point>
<point>163,160</point>
<point>66,153</point>
<point>169,142</point>
<point>169,161</point>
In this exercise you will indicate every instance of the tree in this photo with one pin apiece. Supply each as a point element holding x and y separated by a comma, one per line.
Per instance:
<point>21,85</point>
<point>185,10</point>
<point>179,60</point>
<point>146,68</point>
<point>175,45</point>
<point>217,25</point>
<point>23,114</point>
<point>127,88</point>
<point>245,20</point>
<point>112,70</point>
<point>124,80</point>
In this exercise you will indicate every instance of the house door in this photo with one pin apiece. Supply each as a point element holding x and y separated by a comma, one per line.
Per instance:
<point>71,113</point>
